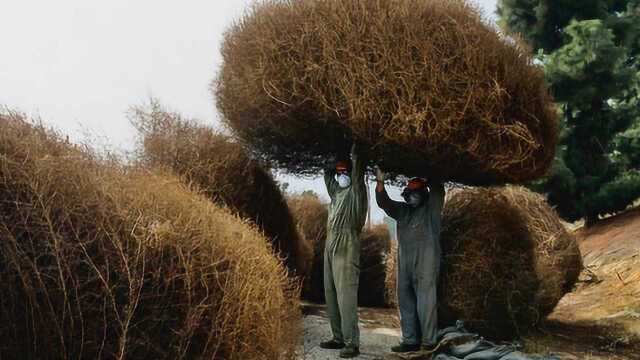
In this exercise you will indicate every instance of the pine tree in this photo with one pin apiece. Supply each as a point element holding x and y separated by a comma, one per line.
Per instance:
<point>590,51</point>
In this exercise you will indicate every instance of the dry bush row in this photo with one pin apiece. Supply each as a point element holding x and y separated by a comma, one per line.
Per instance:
<point>311,216</point>
<point>222,169</point>
<point>101,261</point>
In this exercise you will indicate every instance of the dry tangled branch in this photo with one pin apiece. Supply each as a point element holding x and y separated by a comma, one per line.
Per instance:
<point>428,86</point>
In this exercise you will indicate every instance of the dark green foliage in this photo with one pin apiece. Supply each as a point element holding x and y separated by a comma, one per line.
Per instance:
<point>627,146</point>
<point>541,22</point>
<point>590,53</point>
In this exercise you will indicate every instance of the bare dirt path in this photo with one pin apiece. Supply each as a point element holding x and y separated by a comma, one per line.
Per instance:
<point>606,301</point>
<point>378,333</point>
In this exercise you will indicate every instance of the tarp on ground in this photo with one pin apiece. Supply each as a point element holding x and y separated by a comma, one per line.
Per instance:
<point>470,346</point>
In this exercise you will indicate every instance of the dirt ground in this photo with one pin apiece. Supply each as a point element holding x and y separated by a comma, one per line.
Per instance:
<point>378,333</point>
<point>599,320</point>
<point>603,311</point>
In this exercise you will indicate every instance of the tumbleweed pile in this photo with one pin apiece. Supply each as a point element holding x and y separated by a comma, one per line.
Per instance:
<point>223,170</point>
<point>101,261</point>
<point>508,260</point>
<point>427,86</point>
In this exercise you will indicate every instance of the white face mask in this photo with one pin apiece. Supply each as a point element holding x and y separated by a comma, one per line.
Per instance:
<point>343,180</point>
<point>414,199</point>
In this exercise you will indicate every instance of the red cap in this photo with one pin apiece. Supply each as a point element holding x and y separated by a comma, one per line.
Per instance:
<point>416,184</point>
<point>342,166</point>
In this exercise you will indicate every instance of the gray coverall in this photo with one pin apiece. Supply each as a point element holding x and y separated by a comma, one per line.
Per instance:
<point>347,215</point>
<point>418,263</point>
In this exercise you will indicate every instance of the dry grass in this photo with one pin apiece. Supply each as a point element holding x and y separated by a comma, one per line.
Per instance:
<point>428,87</point>
<point>508,260</point>
<point>99,261</point>
<point>222,169</point>
<point>311,216</point>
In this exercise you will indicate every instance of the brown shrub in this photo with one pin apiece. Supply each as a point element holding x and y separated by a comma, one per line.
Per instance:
<point>391,276</point>
<point>508,260</point>
<point>222,169</point>
<point>374,249</point>
<point>99,261</point>
<point>311,217</point>
<point>428,87</point>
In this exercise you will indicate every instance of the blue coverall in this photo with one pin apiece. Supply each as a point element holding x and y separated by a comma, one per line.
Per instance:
<point>418,263</point>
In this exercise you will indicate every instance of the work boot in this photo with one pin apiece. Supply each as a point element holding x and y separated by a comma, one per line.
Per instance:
<point>404,348</point>
<point>350,351</point>
<point>332,344</point>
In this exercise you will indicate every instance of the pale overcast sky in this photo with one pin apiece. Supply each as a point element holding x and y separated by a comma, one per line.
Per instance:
<point>79,64</point>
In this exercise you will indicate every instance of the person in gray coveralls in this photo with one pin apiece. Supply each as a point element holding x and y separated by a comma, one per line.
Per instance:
<point>418,227</point>
<point>347,215</point>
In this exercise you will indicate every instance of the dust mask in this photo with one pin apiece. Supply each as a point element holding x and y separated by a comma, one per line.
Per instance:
<point>344,180</point>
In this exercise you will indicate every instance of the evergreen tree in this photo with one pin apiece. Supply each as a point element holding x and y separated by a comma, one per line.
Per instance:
<point>590,50</point>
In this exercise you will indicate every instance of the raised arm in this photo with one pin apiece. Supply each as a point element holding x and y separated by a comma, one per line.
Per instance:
<point>330,181</point>
<point>393,208</point>
<point>358,165</point>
